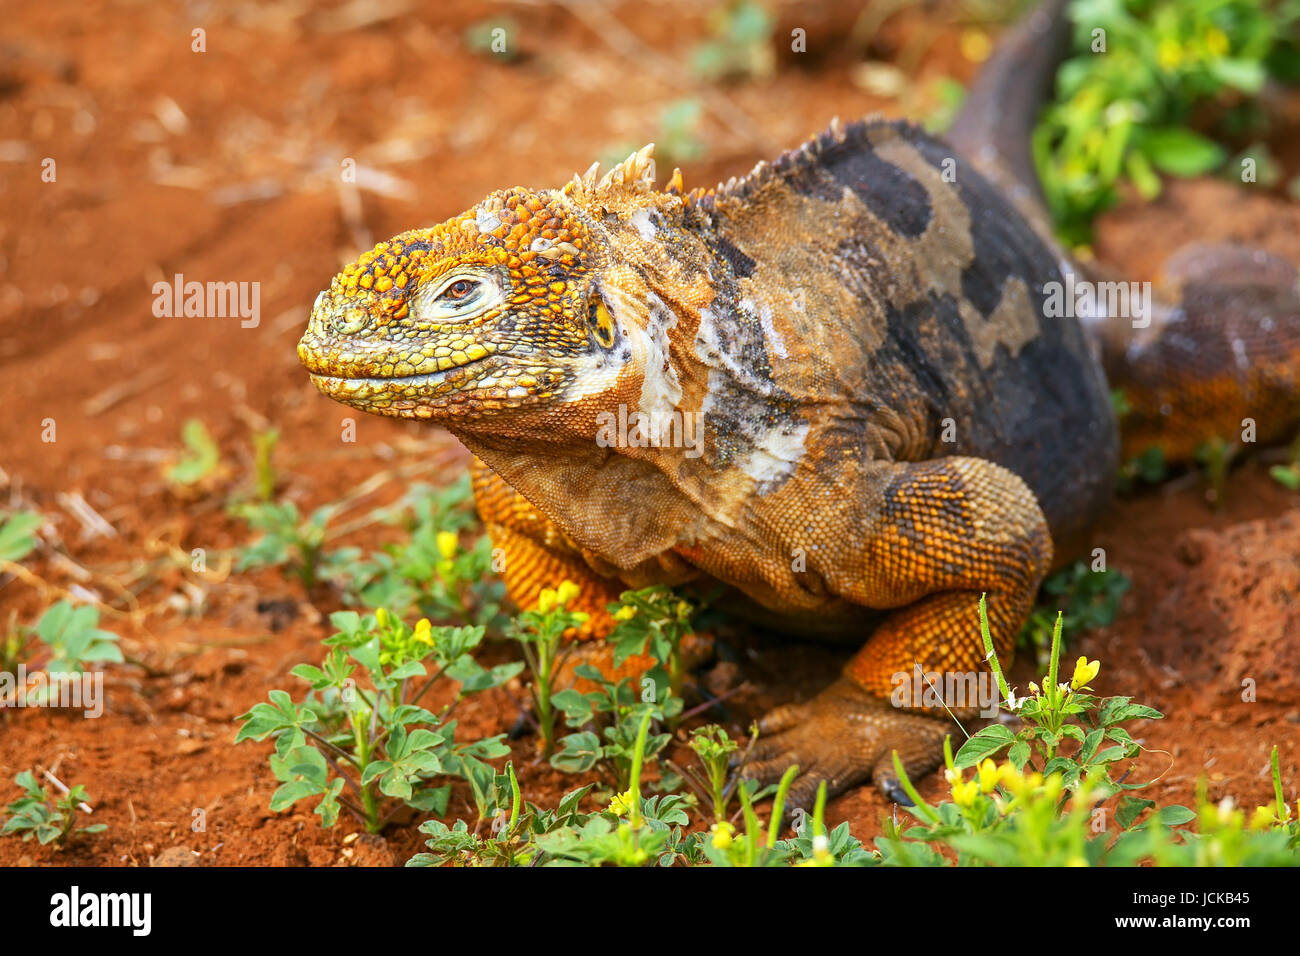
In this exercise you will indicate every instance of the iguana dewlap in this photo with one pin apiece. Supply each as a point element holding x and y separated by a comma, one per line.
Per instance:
<point>861,415</point>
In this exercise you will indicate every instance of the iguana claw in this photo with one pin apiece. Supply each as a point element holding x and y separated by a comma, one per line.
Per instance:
<point>843,736</point>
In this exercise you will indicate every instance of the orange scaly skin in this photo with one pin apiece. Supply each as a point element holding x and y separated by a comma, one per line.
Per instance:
<point>829,387</point>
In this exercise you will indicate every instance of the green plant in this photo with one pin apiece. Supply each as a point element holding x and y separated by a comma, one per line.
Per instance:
<point>607,716</point>
<point>18,534</point>
<point>264,443</point>
<point>1055,713</point>
<point>428,574</point>
<point>74,638</point>
<point>715,750</point>
<point>679,140</point>
<point>949,95</point>
<point>653,621</point>
<point>1288,475</point>
<point>613,710</point>
<point>37,814</point>
<point>635,830</point>
<point>1215,456</point>
<point>1042,805</point>
<point>1224,835</point>
<point>1125,102</point>
<point>432,575</point>
<point>632,830</point>
<point>540,634</point>
<point>741,45</point>
<point>201,458</point>
<point>16,647</point>
<point>752,847</point>
<point>64,641</point>
<point>295,543</point>
<point>600,839</point>
<point>1147,468</point>
<point>458,845</point>
<point>814,846</point>
<point>361,726</point>
<point>1087,599</point>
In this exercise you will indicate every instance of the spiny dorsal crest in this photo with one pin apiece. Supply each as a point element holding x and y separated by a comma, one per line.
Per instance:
<point>636,174</point>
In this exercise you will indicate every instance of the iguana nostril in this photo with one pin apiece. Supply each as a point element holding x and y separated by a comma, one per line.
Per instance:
<point>350,322</point>
<point>342,321</point>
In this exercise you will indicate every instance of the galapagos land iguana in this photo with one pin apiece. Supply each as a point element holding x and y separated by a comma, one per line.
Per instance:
<point>876,419</point>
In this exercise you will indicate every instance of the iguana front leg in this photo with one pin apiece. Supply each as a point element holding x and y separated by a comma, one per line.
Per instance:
<point>946,532</point>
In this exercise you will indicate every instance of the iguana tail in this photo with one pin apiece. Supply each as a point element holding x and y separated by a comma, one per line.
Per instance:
<point>994,128</point>
<point>1212,348</point>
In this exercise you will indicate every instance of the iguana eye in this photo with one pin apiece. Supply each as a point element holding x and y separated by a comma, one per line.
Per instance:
<point>602,323</point>
<point>456,297</point>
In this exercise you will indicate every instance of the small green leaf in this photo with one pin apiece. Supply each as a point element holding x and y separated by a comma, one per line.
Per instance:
<point>985,743</point>
<point>1181,152</point>
<point>1130,808</point>
<point>17,535</point>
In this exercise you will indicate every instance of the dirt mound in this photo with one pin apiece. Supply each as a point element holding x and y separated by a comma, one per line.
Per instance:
<point>1232,622</point>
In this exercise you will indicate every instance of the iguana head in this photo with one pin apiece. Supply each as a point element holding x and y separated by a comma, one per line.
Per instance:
<point>524,303</point>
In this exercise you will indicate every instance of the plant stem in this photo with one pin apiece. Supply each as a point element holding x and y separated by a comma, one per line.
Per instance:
<point>369,803</point>
<point>634,780</point>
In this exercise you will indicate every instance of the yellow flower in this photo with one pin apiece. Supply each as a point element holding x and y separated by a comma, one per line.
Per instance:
<point>621,803</point>
<point>1216,41</point>
<point>567,592</point>
<point>381,617</point>
<point>1263,818</point>
<point>1226,813</point>
<point>964,794</point>
<point>821,847</point>
<point>625,613</point>
<point>547,600</point>
<point>1169,54</point>
<point>975,45</point>
<point>1084,672</point>
<point>447,544</point>
<point>722,832</point>
<point>1018,783</point>
<point>1052,786</point>
<point>423,631</point>
<point>988,775</point>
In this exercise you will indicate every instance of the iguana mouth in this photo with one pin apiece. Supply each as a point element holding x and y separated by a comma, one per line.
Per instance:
<point>333,384</point>
<point>429,394</point>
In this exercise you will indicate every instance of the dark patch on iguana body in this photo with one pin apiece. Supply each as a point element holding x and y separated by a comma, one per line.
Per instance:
<point>889,192</point>
<point>741,264</point>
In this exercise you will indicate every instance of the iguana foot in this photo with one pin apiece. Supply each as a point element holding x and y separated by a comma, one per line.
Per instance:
<point>844,735</point>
